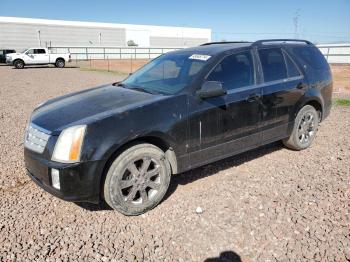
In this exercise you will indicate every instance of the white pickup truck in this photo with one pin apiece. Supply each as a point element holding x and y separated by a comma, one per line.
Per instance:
<point>37,56</point>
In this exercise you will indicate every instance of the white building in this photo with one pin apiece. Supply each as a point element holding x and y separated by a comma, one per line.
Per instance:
<point>19,33</point>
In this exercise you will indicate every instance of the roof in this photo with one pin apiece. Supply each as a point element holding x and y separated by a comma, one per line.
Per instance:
<point>219,47</point>
<point>216,48</point>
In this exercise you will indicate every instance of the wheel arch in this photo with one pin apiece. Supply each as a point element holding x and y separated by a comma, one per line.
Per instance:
<point>60,58</point>
<point>317,105</point>
<point>18,59</point>
<point>314,101</point>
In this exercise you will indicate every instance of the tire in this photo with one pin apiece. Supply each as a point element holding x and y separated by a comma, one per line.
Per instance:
<point>304,130</point>
<point>19,64</point>
<point>137,180</point>
<point>60,63</point>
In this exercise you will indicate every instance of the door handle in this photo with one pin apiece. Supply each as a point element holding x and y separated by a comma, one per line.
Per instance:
<point>253,97</point>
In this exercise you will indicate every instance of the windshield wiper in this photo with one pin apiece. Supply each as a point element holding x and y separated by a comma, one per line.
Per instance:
<point>119,84</point>
<point>141,90</point>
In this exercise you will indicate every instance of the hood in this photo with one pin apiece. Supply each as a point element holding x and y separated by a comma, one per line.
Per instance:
<point>88,106</point>
<point>13,54</point>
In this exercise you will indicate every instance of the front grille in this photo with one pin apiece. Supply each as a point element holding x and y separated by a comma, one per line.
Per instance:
<point>35,139</point>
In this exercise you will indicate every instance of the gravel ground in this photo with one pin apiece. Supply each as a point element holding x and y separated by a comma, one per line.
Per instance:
<point>264,205</point>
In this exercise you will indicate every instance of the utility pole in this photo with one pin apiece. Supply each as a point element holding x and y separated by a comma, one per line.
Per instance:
<point>296,24</point>
<point>39,38</point>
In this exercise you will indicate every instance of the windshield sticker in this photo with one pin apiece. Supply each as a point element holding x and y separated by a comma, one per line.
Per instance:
<point>199,57</point>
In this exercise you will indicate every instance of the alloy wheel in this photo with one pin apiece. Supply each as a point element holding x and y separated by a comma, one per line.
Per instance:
<point>141,181</point>
<point>307,128</point>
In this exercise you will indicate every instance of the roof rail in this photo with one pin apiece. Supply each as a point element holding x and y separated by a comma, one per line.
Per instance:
<point>225,42</point>
<point>261,42</point>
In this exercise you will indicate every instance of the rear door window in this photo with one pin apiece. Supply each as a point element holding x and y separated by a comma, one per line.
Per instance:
<point>234,71</point>
<point>273,65</point>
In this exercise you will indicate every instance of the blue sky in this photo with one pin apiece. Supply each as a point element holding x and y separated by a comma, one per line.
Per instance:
<point>318,21</point>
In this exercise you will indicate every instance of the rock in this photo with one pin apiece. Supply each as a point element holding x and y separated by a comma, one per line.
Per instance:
<point>199,210</point>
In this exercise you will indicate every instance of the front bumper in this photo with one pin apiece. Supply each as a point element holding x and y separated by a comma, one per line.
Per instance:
<point>79,182</point>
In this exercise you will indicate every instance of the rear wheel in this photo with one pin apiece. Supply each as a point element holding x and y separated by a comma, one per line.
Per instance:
<point>137,179</point>
<point>19,64</point>
<point>304,130</point>
<point>60,63</point>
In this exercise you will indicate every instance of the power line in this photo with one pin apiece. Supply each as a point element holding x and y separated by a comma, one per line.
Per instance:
<point>277,33</point>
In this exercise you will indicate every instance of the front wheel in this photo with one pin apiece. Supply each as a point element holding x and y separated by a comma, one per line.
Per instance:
<point>304,130</point>
<point>19,64</point>
<point>137,179</point>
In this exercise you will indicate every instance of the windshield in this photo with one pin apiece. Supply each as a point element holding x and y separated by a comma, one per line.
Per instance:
<point>168,74</point>
<point>23,51</point>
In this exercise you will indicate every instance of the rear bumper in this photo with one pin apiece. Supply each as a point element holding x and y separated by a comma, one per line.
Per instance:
<point>79,182</point>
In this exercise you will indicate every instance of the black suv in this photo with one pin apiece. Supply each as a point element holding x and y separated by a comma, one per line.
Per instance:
<point>4,52</point>
<point>122,142</point>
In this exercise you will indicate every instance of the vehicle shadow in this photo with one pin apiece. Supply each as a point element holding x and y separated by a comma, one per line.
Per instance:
<point>202,172</point>
<point>225,256</point>
<point>102,206</point>
<point>214,168</point>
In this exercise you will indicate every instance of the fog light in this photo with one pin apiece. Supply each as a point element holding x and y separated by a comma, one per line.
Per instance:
<point>55,178</point>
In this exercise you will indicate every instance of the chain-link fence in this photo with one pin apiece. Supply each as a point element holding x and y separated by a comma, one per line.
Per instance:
<point>125,60</point>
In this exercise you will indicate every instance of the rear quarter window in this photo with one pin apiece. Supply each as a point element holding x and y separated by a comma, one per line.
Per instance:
<point>311,56</point>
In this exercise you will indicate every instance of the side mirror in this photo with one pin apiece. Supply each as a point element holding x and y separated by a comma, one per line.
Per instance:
<point>211,89</point>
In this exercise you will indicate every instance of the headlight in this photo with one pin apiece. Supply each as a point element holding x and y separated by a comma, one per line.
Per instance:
<point>68,145</point>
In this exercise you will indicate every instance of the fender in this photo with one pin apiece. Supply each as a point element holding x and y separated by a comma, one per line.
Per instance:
<point>159,139</point>
<point>312,96</point>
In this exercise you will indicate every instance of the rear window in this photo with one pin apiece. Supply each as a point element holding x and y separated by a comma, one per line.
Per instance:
<point>39,51</point>
<point>311,56</point>
<point>272,61</point>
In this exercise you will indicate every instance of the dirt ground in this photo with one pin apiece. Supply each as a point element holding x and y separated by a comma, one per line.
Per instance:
<point>120,66</point>
<point>264,205</point>
<point>341,78</point>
